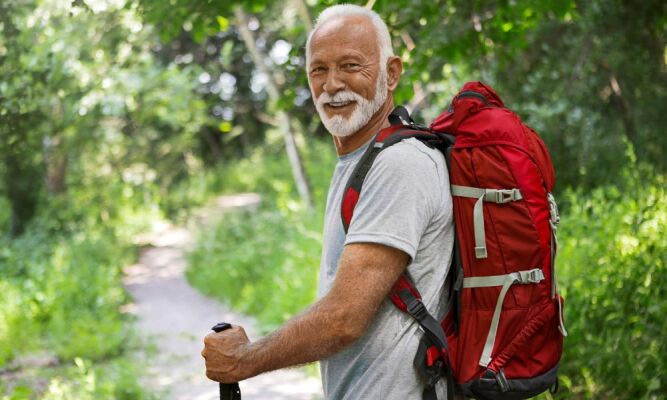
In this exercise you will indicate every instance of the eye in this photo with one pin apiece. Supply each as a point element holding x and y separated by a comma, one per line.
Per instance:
<point>351,66</point>
<point>317,70</point>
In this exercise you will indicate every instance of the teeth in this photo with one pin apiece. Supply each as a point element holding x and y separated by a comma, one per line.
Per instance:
<point>339,103</point>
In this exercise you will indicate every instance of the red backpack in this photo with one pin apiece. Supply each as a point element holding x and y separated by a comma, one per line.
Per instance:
<point>502,334</point>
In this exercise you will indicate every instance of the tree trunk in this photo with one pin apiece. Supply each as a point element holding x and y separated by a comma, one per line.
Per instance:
<point>23,177</point>
<point>302,8</point>
<point>625,113</point>
<point>21,174</point>
<point>283,116</point>
<point>55,163</point>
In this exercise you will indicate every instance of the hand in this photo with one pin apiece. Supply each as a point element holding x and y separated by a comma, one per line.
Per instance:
<point>223,352</point>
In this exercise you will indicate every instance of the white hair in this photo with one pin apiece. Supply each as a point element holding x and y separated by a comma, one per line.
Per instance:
<point>344,10</point>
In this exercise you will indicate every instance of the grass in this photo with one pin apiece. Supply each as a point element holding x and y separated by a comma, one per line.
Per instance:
<point>85,380</point>
<point>265,263</point>
<point>61,298</point>
<point>613,270</point>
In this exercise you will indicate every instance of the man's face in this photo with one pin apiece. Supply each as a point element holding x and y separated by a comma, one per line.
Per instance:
<point>346,79</point>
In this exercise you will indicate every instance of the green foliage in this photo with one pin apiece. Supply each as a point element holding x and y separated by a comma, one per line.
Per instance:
<point>82,380</point>
<point>66,300</point>
<point>265,262</point>
<point>267,171</point>
<point>94,131</point>
<point>589,76</point>
<point>113,108</point>
<point>574,70</point>
<point>104,127</point>
<point>67,288</point>
<point>612,262</point>
<point>261,263</point>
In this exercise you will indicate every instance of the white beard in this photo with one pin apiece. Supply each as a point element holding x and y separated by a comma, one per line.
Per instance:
<point>363,110</point>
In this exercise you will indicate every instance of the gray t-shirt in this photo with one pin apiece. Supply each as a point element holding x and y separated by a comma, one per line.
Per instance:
<point>406,204</point>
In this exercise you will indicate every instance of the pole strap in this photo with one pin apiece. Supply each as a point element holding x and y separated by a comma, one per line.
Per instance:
<point>522,277</point>
<point>431,327</point>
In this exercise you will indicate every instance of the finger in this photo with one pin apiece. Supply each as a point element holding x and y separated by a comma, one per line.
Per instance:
<point>211,375</point>
<point>210,338</point>
<point>242,333</point>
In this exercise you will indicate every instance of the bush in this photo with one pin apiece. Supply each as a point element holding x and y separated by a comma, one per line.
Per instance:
<point>82,380</point>
<point>60,285</point>
<point>265,263</point>
<point>67,296</point>
<point>613,274</point>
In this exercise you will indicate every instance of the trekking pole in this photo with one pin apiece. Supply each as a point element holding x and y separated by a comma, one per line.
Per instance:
<point>228,391</point>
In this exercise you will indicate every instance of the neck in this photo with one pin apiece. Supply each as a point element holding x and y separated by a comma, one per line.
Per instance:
<point>378,121</point>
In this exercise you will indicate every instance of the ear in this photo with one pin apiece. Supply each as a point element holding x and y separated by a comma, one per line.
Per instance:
<point>394,71</point>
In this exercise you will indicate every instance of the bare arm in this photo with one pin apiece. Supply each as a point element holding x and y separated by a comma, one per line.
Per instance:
<point>366,272</point>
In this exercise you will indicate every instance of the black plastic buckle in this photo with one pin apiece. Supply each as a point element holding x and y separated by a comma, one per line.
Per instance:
<point>502,381</point>
<point>417,309</point>
<point>434,373</point>
<point>554,388</point>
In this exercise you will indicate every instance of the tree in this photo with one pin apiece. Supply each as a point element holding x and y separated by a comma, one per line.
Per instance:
<point>589,76</point>
<point>203,24</point>
<point>283,116</point>
<point>91,93</point>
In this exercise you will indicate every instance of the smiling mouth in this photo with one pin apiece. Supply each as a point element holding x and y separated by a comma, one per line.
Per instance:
<point>339,104</point>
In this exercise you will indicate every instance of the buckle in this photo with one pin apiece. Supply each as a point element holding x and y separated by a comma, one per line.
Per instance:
<point>417,309</point>
<point>553,211</point>
<point>499,377</point>
<point>502,381</point>
<point>535,276</point>
<point>524,277</point>
<point>433,374</point>
<point>506,195</point>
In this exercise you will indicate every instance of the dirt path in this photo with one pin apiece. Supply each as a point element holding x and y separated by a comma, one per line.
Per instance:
<point>175,317</point>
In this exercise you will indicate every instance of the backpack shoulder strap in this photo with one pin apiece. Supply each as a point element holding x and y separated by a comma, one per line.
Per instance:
<point>353,187</point>
<point>383,140</point>
<point>404,294</point>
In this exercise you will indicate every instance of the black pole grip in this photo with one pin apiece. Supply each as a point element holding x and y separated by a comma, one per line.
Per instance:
<point>228,391</point>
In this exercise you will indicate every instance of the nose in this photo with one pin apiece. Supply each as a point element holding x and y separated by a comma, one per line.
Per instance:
<point>333,84</point>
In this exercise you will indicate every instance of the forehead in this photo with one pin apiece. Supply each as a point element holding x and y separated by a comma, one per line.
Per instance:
<point>344,35</point>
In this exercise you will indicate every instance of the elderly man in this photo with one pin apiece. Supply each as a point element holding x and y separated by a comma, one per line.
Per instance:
<point>403,221</point>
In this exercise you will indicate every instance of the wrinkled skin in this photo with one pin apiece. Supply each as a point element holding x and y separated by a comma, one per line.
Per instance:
<point>345,55</point>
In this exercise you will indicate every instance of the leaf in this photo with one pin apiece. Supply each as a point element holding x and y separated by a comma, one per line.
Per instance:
<point>226,54</point>
<point>225,126</point>
<point>223,23</point>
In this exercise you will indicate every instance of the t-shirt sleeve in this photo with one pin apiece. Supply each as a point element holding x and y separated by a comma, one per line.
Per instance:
<point>398,199</point>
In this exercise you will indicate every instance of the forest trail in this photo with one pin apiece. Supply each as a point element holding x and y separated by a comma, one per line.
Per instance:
<point>174,317</point>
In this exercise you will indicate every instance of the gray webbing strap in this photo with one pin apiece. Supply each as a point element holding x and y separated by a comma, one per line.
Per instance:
<point>534,275</point>
<point>554,220</point>
<point>553,264</point>
<point>554,284</point>
<point>499,196</point>
<point>561,326</point>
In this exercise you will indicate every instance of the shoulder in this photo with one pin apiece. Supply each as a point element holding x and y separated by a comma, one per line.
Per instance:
<point>411,156</point>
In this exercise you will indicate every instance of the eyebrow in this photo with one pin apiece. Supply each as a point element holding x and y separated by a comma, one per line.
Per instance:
<point>357,57</point>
